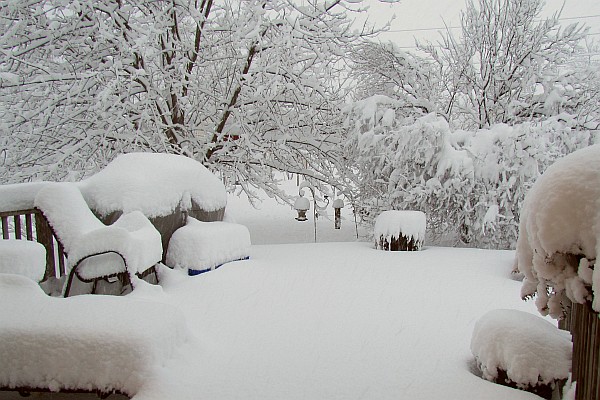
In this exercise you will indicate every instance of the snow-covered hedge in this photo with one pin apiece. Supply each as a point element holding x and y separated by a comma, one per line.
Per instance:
<point>559,231</point>
<point>471,184</point>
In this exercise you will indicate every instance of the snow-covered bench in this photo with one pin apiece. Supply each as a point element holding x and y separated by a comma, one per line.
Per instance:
<point>203,246</point>
<point>131,246</point>
<point>104,344</point>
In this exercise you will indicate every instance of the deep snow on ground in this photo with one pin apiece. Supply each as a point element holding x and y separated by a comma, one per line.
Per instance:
<point>337,320</point>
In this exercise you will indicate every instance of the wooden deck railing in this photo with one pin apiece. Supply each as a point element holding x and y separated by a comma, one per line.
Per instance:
<point>583,323</point>
<point>31,225</point>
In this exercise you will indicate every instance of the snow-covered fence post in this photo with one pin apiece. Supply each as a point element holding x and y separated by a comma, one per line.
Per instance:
<point>400,230</point>
<point>557,251</point>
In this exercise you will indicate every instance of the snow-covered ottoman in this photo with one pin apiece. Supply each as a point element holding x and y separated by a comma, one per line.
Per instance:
<point>521,350</point>
<point>400,230</point>
<point>23,257</point>
<point>93,343</point>
<point>203,246</point>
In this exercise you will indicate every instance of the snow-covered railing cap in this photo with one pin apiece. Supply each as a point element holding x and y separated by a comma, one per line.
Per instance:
<point>19,196</point>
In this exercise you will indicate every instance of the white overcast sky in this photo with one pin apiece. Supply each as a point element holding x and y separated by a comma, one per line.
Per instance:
<point>414,16</point>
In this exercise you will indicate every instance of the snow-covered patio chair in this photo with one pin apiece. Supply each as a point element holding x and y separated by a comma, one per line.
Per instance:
<point>131,246</point>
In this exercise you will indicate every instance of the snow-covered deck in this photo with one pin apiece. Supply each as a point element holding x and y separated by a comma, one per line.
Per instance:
<point>332,321</point>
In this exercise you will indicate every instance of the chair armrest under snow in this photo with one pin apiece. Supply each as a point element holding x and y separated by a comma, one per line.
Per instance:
<point>132,238</point>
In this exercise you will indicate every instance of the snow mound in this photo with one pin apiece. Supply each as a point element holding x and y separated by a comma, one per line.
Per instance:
<point>83,235</point>
<point>558,233</point>
<point>153,183</point>
<point>392,225</point>
<point>90,342</point>
<point>530,349</point>
<point>202,246</point>
<point>23,257</point>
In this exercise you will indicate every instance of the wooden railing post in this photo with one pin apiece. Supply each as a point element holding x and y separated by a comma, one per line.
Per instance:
<point>45,237</point>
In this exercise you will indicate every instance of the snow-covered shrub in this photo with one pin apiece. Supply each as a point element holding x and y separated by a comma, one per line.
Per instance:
<point>400,230</point>
<point>558,234</point>
<point>471,184</point>
<point>521,350</point>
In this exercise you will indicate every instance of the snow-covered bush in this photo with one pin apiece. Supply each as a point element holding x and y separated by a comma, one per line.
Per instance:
<point>522,350</point>
<point>469,183</point>
<point>558,234</point>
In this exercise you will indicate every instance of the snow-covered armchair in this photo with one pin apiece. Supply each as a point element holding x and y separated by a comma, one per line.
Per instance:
<point>129,247</point>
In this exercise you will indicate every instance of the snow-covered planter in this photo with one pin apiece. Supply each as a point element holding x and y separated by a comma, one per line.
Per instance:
<point>521,350</point>
<point>558,233</point>
<point>400,230</point>
<point>203,246</point>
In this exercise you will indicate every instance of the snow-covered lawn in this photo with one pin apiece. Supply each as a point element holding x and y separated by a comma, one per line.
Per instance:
<point>336,320</point>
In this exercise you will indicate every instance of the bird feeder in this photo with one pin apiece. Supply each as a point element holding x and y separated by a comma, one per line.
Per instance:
<point>302,205</point>
<point>338,204</point>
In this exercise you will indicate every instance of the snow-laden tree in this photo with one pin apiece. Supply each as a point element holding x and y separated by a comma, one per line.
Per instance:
<point>243,86</point>
<point>470,183</point>
<point>508,96</point>
<point>384,69</point>
<point>505,64</point>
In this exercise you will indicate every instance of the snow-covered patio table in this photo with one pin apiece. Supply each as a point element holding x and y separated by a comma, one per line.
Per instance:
<point>164,187</point>
<point>95,343</point>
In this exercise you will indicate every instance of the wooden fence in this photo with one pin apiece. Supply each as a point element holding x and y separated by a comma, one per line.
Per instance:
<point>584,325</point>
<point>32,225</point>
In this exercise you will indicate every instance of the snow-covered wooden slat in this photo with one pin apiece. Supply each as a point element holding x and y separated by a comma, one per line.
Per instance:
<point>34,221</point>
